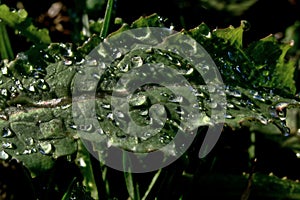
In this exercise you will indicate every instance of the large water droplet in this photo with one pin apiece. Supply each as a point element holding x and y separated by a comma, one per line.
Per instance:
<point>45,148</point>
<point>19,84</point>
<point>258,97</point>
<point>68,62</point>
<point>4,92</point>
<point>86,127</point>
<point>119,114</point>
<point>31,88</point>
<point>176,99</point>
<point>4,117</point>
<point>6,133</point>
<point>136,61</point>
<point>138,100</point>
<point>106,106</point>
<point>281,110</point>
<point>124,68</point>
<point>190,71</point>
<point>8,145</point>
<point>29,141</point>
<point>229,116</point>
<point>5,71</point>
<point>3,155</point>
<point>43,85</point>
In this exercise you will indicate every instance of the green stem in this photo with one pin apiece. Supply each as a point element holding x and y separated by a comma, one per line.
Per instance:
<point>154,179</point>
<point>6,51</point>
<point>107,17</point>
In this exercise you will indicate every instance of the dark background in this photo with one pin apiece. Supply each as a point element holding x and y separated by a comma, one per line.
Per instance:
<point>265,17</point>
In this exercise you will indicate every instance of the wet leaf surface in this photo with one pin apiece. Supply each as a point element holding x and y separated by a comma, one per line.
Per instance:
<point>36,110</point>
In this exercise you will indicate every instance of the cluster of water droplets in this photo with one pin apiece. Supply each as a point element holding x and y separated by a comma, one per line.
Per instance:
<point>116,123</point>
<point>260,104</point>
<point>25,146</point>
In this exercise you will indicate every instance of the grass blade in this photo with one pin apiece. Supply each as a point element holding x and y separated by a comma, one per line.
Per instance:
<point>107,17</point>
<point>153,181</point>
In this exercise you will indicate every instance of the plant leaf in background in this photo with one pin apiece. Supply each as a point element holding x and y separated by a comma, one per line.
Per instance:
<point>19,21</point>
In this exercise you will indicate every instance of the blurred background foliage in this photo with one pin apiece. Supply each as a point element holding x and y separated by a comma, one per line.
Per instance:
<point>66,19</point>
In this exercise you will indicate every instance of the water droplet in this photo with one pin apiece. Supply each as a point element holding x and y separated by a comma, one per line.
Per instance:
<point>213,104</point>
<point>100,131</point>
<point>43,85</point>
<point>73,126</point>
<point>124,68</point>
<point>136,61</point>
<point>230,105</point>
<point>262,119</point>
<point>258,97</point>
<point>45,148</point>
<point>4,117</point>
<point>285,129</point>
<point>81,163</point>
<point>190,71</point>
<point>8,145</point>
<point>31,88</point>
<point>281,110</point>
<point>228,116</point>
<point>165,139</point>
<point>176,99</point>
<point>211,88</point>
<point>144,112</point>
<point>93,63</point>
<point>29,141</point>
<point>138,100</point>
<point>6,133</point>
<point>64,107</point>
<point>164,94</point>
<point>234,93</point>
<point>86,128</point>
<point>110,116</point>
<point>3,155</point>
<point>119,114</point>
<point>68,62</point>
<point>96,76</point>
<point>19,84</point>
<point>4,70</point>
<point>4,92</point>
<point>106,106</point>
<point>28,151</point>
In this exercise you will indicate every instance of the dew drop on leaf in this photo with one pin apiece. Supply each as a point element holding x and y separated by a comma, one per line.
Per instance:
<point>7,145</point>
<point>228,116</point>
<point>42,84</point>
<point>31,88</point>
<point>4,117</point>
<point>106,106</point>
<point>136,61</point>
<point>3,155</point>
<point>138,100</point>
<point>29,141</point>
<point>86,127</point>
<point>6,133</point>
<point>68,62</point>
<point>45,148</point>
<point>4,92</point>
<point>176,99</point>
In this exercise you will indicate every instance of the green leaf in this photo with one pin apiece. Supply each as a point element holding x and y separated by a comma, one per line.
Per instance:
<point>19,21</point>
<point>40,106</point>
<point>272,69</point>
<point>153,20</point>
<point>232,35</point>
